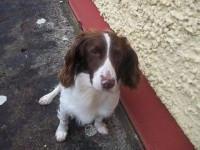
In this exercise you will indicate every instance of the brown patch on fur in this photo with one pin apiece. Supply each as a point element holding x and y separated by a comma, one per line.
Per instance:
<point>128,72</point>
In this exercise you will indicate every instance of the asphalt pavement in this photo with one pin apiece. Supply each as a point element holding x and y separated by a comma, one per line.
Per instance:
<point>34,37</point>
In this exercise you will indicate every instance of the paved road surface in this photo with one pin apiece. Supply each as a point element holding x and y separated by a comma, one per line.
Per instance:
<point>30,57</point>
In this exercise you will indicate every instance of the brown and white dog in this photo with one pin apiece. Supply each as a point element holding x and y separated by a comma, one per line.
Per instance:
<point>95,67</point>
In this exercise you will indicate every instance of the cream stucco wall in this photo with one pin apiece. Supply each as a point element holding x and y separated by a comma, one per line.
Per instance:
<point>166,36</point>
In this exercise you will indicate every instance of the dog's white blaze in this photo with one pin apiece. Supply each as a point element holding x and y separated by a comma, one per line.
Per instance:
<point>106,68</point>
<point>107,65</point>
<point>107,38</point>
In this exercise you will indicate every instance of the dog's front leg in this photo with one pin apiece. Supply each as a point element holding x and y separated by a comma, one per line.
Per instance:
<point>48,98</point>
<point>61,132</point>
<point>100,126</point>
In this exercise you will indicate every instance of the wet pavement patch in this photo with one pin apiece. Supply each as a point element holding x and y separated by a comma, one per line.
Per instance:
<point>31,55</point>
<point>23,50</point>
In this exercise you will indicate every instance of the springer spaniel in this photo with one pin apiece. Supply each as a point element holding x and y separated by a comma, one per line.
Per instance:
<point>95,67</point>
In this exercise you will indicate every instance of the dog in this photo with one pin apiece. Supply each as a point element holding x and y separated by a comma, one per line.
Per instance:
<point>96,65</point>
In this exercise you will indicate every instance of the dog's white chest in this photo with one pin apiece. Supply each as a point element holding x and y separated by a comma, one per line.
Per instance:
<point>86,103</point>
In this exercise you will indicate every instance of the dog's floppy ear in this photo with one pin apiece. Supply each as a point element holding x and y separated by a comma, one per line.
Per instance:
<point>73,62</point>
<point>129,70</point>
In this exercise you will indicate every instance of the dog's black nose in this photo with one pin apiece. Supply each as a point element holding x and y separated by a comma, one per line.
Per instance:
<point>108,83</point>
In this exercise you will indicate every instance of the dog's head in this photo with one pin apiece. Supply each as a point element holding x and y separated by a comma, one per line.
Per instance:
<point>107,58</point>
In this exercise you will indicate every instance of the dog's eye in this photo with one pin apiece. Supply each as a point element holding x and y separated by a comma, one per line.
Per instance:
<point>95,53</point>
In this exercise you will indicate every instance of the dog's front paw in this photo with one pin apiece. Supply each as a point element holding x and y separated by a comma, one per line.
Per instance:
<point>102,129</point>
<point>61,136</point>
<point>45,100</point>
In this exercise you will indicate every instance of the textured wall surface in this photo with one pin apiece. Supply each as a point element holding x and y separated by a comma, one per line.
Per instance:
<point>166,36</point>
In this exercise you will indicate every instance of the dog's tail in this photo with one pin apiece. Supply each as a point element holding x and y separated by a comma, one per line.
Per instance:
<point>48,98</point>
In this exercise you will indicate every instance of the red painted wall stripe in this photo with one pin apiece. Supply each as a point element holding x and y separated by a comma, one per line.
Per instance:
<point>87,15</point>
<point>155,126</point>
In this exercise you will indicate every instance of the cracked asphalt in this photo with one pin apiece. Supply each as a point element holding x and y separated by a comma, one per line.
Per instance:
<point>30,57</point>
